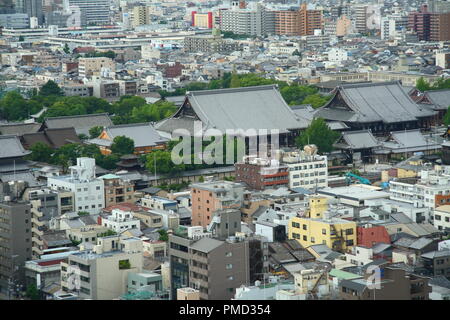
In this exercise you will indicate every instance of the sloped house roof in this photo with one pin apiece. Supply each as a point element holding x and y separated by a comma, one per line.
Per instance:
<point>259,107</point>
<point>437,99</point>
<point>54,138</point>
<point>143,135</point>
<point>19,128</point>
<point>408,141</point>
<point>362,139</point>
<point>384,102</point>
<point>10,147</point>
<point>81,123</point>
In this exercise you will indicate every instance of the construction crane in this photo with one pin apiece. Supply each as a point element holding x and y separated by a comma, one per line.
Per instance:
<point>351,176</point>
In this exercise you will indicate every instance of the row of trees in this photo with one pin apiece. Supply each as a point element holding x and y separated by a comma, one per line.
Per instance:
<point>129,109</point>
<point>68,154</point>
<point>293,94</point>
<point>424,85</point>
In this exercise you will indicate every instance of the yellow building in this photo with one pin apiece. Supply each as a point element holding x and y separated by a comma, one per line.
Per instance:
<point>317,206</point>
<point>338,234</point>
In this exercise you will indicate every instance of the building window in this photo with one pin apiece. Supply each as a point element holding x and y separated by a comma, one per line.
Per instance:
<point>229,266</point>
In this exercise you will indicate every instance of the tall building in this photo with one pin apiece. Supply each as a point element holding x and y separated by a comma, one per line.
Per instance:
<point>306,169</point>
<point>15,241</point>
<point>300,22</point>
<point>103,271</point>
<point>310,20</point>
<point>209,197</point>
<point>440,26</point>
<point>360,18</point>
<point>88,190</point>
<point>31,7</point>
<point>141,16</point>
<point>97,12</point>
<point>419,22</point>
<point>255,22</point>
<point>213,267</point>
<point>287,22</point>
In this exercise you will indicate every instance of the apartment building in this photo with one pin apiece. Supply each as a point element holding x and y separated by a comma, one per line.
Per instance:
<point>120,221</point>
<point>88,67</point>
<point>141,16</point>
<point>210,44</point>
<point>261,173</point>
<point>208,197</point>
<point>338,234</point>
<point>360,17</point>
<point>160,203</point>
<point>15,242</point>
<point>97,12</point>
<point>431,191</point>
<point>213,267</point>
<point>103,271</point>
<point>441,218</point>
<point>87,234</point>
<point>306,168</point>
<point>440,26</point>
<point>287,22</point>
<point>396,284</point>
<point>89,194</point>
<point>309,20</point>
<point>117,190</point>
<point>255,22</point>
<point>217,267</point>
<point>437,263</point>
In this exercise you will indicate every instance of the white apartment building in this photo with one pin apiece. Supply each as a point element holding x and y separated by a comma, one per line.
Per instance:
<point>258,21</point>
<point>306,169</point>
<point>441,218</point>
<point>120,221</point>
<point>103,271</point>
<point>97,12</point>
<point>431,191</point>
<point>89,194</point>
<point>337,55</point>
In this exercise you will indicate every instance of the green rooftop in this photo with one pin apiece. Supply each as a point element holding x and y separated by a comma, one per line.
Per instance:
<point>344,274</point>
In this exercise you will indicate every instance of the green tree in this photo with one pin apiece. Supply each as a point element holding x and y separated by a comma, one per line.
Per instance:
<point>14,107</point>
<point>94,132</point>
<point>51,88</point>
<point>318,133</point>
<point>315,100</point>
<point>122,145</point>
<point>446,118</point>
<point>41,152</point>
<point>422,84</point>
<point>296,53</point>
<point>163,236</point>
<point>32,292</point>
<point>66,49</point>
<point>108,162</point>
<point>163,162</point>
<point>235,81</point>
<point>21,39</point>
